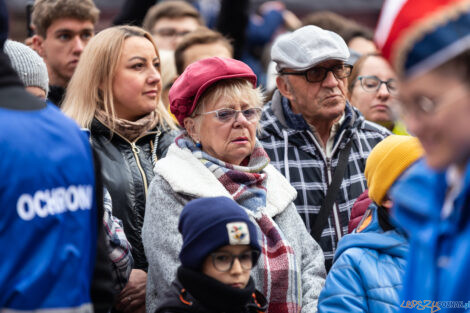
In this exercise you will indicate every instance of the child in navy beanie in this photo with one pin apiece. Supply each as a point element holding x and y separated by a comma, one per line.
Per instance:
<point>220,246</point>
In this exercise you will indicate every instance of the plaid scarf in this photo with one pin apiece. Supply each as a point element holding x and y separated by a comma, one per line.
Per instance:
<point>247,185</point>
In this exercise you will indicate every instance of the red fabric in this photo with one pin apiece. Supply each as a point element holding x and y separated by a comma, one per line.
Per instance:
<point>358,210</point>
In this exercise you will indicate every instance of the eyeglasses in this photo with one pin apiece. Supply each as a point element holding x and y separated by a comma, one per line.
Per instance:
<point>318,73</point>
<point>422,105</point>
<point>223,261</point>
<point>170,32</point>
<point>226,115</point>
<point>373,84</point>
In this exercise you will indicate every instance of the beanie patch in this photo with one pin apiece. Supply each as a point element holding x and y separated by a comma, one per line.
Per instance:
<point>238,233</point>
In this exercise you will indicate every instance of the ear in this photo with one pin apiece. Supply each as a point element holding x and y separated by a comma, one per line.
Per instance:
<point>190,126</point>
<point>284,88</point>
<point>37,44</point>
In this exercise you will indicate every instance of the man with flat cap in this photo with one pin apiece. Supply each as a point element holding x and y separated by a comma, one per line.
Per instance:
<point>313,135</point>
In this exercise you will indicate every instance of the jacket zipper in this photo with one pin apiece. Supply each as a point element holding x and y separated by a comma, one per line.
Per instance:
<point>135,151</point>
<point>327,161</point>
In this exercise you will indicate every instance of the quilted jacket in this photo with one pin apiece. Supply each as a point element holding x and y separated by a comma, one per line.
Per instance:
<point>367,275</point>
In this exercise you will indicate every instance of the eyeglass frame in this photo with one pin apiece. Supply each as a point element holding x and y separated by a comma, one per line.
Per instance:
<point>254,257</point>
<point>257,111</point>
<point>171,33</point>
<point>327,70</point>
<point>386,82</point>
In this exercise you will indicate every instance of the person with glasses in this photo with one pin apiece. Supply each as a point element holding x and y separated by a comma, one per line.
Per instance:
<point>427,43</point>
<point>373,89</point>
<point>217,154</point>
<point>309,122</point>
<point>220,248</point>
<point>169,21</point>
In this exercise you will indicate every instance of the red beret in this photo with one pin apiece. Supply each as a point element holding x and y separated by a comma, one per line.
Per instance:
<point>200,75</point>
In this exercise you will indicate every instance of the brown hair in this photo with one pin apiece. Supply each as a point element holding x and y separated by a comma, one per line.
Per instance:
<point>357,69</point>
<point>45,12</point>
<point>202,35</point>
<point>90,90</point>
<point>170,9</point>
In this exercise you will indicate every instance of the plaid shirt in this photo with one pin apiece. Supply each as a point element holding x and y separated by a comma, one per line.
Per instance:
<point>309,171</point>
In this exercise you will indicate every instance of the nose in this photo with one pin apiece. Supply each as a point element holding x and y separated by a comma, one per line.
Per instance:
<point>78,45</point>
<point>240,118</point>
<point>330,80</point>
<point>383,91</point>
<point>154,76</point>
<point>236,267</point>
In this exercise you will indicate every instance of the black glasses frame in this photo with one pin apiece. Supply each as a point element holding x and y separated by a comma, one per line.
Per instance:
<point>254,258</point>
<point>339,71</point>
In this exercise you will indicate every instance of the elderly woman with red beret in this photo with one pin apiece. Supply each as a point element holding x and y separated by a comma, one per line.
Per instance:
<point>217,154</point>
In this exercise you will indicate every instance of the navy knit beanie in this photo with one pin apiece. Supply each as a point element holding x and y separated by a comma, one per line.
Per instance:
<point>207,224</point>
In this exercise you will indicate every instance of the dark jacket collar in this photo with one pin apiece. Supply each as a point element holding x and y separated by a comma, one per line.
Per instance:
<point>56,95</point>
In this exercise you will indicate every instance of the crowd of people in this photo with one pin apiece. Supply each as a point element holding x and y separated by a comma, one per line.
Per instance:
<point>196,159</point>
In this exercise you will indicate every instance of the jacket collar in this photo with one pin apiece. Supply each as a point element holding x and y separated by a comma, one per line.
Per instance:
<point>187,175</point>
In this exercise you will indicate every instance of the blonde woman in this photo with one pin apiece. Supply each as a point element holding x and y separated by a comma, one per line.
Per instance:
<point>115,93</point>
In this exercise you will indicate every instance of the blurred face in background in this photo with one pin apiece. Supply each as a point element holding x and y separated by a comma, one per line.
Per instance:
<point>436,109</point>
<point>201,51</point>
<point>168,32</point>
<point>370,96</point>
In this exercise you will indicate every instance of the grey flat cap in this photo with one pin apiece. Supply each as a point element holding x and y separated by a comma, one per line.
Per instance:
<point>306,47</point>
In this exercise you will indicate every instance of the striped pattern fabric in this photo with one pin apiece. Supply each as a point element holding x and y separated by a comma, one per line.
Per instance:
<point>280,270</point>
<point>298,156</point>
<point>419,35</point>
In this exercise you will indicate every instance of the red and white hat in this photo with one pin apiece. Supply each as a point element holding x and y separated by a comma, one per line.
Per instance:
<point>416,36</point>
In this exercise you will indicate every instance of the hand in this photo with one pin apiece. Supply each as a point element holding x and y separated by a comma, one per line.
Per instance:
<point>132,297</point>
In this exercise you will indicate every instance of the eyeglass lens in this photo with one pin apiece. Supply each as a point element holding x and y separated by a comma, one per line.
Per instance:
<point>223,261</point>
<point>225,115</point>
<point>318,74</point>
<point>373,83</point>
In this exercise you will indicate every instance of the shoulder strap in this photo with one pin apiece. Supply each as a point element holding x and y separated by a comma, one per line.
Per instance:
<point>333,189</point>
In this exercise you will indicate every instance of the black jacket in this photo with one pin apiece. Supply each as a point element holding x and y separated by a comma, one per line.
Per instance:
<point>194,292</point>
<point>127,169</point>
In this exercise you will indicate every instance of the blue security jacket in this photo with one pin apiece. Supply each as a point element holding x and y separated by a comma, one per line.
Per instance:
<point>439,260</point>
<point>48,217</point>
<point>368,271</point>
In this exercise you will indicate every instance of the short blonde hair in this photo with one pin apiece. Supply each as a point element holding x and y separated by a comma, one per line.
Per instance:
<point>91,84</point>
<point>236,88</point>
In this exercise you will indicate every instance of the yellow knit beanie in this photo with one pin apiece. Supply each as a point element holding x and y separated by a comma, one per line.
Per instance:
<point>391,157</point>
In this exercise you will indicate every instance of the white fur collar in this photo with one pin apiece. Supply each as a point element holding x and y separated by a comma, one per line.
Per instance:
<point>188,175</point>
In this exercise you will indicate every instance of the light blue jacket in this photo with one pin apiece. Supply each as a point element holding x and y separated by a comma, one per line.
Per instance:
<point>439,259</point>
<point>368,271</point>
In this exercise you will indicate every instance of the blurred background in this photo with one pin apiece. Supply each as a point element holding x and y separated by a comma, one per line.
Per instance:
<point>364,12</point>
